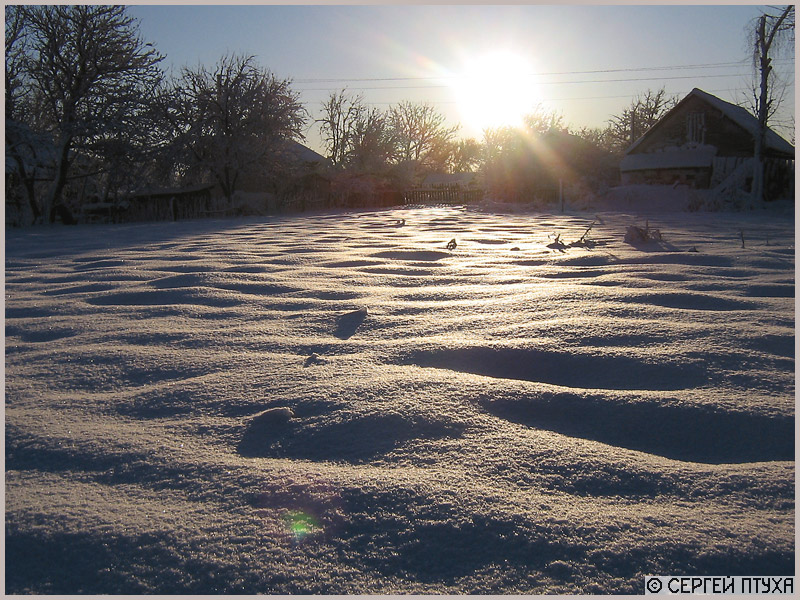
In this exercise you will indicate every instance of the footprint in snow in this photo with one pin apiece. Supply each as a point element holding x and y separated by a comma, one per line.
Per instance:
<point>264,428</point>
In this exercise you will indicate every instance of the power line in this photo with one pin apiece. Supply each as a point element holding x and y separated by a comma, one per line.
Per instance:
<point>586,97</point>
<point>578,81</point>
<point>441,77</point>
<point>551,73</point>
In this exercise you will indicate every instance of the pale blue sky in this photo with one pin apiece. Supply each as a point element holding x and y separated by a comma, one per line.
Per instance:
<point>432,43</point>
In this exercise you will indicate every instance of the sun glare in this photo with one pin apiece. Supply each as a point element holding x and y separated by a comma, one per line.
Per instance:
<point>496,89</point>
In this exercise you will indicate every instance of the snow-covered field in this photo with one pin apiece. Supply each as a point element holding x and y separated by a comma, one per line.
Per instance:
<point>338,403</point>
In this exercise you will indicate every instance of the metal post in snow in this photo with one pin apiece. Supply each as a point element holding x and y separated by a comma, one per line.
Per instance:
<point>561,193</point>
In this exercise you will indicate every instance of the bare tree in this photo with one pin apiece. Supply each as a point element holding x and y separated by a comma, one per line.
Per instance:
<point>633,122</point>
<point>440,156</point>
<point>769,31</point>
<point>418,128</point>
<point>90,75</point>
<point>341,114</point>
<point>231,118</point>
<point>15,57</point>
<point>597,136</point>
<point>505,161</point>
<point>372,142</point>
<point>21,141</point>
<point>540,120</point>
<point>466,155</point>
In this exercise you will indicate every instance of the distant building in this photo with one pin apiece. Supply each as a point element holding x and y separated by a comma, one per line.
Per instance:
<point>287,161</point>
<point>298,156</point>
<point>705,142</point>
<point>156,204</point>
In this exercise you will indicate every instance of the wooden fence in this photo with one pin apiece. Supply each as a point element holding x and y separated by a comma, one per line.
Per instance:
<point>442,196</point>
<point>169,204</point>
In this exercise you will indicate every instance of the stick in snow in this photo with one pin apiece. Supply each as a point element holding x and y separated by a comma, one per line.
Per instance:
<point>557,244</point>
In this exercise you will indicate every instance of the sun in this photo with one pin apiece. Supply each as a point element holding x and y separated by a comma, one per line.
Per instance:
<point>496,89</point>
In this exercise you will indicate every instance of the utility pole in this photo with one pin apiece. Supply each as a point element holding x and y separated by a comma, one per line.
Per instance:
<point>765,36</point>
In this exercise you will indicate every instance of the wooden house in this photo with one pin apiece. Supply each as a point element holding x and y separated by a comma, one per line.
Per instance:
<point>705,142</point>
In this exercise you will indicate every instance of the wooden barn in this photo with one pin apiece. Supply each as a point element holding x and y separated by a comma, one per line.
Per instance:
<point>705,142</point>
<point>168,204</point>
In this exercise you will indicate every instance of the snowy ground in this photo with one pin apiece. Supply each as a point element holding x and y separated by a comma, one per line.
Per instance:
<point>207,407</point>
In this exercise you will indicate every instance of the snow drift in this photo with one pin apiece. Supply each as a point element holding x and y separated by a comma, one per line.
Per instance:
<point>337,403</point>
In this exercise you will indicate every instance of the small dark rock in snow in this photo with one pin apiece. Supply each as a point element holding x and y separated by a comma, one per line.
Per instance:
<point>451,245</point>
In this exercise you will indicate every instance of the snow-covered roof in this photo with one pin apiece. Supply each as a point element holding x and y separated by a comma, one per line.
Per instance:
<point>671,159</point>
<point>36,150</point>
<point>300,152</point>
<point>739,115</point>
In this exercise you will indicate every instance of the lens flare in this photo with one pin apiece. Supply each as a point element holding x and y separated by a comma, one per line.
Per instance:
<point>300,524</point>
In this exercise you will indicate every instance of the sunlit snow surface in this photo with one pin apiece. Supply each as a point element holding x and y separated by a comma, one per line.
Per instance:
<point>338,403</point>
